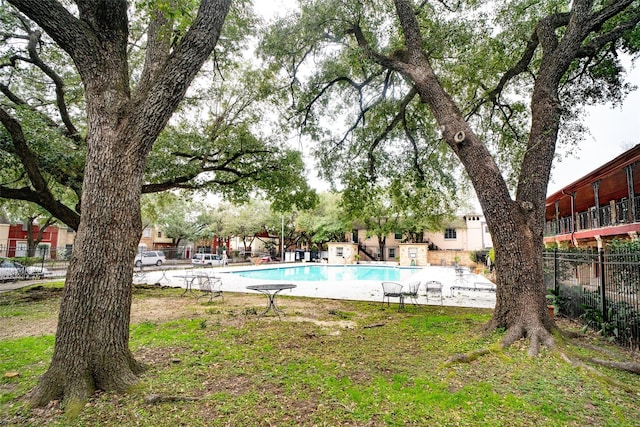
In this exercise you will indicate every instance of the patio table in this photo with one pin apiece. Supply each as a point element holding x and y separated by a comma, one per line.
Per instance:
<point>271,290</point>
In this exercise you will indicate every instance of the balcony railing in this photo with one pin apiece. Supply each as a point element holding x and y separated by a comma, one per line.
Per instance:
<point>596,218</point>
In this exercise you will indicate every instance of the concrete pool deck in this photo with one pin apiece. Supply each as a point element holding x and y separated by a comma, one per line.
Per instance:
<point>349,290</point>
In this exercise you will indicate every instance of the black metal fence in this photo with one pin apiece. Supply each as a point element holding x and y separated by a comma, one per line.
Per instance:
<point>598,288</point>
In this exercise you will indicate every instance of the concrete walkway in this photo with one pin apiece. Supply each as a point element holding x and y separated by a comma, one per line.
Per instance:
<point>348,290</point>
<point>363,290</point>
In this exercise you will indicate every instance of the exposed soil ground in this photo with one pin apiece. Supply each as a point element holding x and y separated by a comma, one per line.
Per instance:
<point>163,307</point>
<point>165,304</point>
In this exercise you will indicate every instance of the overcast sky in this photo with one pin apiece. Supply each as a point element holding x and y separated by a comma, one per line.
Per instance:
<point>613,131</point>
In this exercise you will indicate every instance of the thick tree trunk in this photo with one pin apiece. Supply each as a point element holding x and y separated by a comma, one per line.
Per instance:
<point>521,306</point>
<point>516,232</point>
<point>91,350</point>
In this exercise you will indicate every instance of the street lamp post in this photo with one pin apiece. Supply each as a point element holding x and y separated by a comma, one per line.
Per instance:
<point>282,237</point>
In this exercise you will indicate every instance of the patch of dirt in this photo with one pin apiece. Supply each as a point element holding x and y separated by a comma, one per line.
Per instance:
<point>233,310</point>
<point>161,309</point>
<point>33,294</point>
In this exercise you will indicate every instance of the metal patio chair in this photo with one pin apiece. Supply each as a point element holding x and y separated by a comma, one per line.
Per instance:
<point>209,285</point>
<point>392,290</point>
<point>412,293</point>
<point>433,287</point>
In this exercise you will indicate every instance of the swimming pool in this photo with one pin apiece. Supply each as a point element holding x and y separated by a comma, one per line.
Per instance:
<point>324,273</point>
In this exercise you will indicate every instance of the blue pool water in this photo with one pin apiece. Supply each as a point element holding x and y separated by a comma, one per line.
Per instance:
<point>323,273</point>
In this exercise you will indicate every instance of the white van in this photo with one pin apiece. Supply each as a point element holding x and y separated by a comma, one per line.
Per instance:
<point>206,259</point>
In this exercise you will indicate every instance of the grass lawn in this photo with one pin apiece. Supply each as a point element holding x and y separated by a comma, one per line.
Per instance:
<point>326,363</point>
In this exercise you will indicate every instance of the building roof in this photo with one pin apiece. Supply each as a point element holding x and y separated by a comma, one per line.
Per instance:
<point>613,188</point>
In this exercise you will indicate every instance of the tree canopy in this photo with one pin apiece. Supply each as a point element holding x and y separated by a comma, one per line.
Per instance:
<point>370,121</point>
<point>214,143</point>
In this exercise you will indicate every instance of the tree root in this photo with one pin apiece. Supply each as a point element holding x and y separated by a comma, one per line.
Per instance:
<point>466,357</point>
<point>629,366</point>
<point>578,362</point>
<point>373,325</point>
<point>158,398</point>
<point>540,336</point>
<point>632,367</point>
<point>76,388</point>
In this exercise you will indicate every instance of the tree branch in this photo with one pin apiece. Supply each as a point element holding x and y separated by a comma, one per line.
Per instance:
<point>521,66</point>
<point>157,51</point>
<point>612,9</point>
<point>42,194</point>
<point>24,153</point>
<point>398,118</point>
<point>34,39</point>
<point>153,108</point>
<point>70,33</point>
<point>590,49</point>
<point>411,28</point>
<point>68,216</point>
<point>329,85</point>
<point>225,165</point>
<point>387,62</point>
<point>410,137</point>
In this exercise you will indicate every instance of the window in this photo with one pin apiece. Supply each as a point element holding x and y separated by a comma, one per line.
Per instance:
<point>146,232</point>
<point>22,249</point>
<point>397,235</point>
<point>159,234</point>
<point>392,253</point>
<point>339,251</point>
<point>450,234</point>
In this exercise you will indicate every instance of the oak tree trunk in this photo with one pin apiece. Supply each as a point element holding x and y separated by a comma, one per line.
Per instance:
<point>92,341</point>
<point>91,350</point>
<point>520,300</point>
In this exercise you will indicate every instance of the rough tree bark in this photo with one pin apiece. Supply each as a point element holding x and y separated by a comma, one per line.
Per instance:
<point>91,350</point>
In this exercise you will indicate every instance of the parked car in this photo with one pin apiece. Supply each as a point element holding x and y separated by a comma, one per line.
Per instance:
<point>36,272</point>
<point>206,259</point>
<point>150,258</point>
<point>13,270</point>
